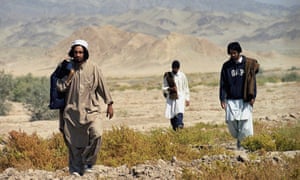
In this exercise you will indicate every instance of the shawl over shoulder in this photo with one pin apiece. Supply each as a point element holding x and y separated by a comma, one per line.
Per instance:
<point>251,69</point>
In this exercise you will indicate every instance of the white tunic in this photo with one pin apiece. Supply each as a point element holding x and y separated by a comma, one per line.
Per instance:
<point>239,118</point>
<point>238,110</point>
<point>173,107</point>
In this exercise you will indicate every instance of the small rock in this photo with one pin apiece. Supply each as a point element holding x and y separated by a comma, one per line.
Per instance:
<point>174,159</point>
<point>243,158</point>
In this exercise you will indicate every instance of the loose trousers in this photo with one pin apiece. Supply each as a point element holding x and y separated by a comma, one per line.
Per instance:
<point>79,157</point>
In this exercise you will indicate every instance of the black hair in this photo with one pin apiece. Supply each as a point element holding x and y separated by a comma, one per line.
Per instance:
<point>176,64</point>
<point>85,51</point>
<point>234,46</point>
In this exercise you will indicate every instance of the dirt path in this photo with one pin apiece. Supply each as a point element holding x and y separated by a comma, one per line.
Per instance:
<point>144,109</point>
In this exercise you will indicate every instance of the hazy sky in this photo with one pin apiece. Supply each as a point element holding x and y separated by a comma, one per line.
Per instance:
<point>281,2</point>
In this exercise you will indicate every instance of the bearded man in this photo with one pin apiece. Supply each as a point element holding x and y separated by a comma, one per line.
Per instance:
<point>80,121</point>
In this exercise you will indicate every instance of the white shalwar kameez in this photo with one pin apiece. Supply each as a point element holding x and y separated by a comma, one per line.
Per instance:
<point>239,118</point>
<point>173,107</point>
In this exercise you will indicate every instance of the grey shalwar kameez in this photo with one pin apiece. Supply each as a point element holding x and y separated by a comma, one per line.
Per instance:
<point>80,120</point>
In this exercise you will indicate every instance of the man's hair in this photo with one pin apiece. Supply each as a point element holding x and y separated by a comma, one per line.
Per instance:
<point>234,46</point>
<point>85,52</point>
<point>175,64</point>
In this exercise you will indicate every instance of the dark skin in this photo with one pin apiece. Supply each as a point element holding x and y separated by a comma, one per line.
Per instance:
<point>79,58</point>
<point>235,55</point>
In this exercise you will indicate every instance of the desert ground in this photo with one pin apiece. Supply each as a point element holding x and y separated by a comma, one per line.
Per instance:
<point>143,109</point>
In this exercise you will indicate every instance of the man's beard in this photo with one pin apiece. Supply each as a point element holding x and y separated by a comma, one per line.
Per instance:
<point>78,60</point>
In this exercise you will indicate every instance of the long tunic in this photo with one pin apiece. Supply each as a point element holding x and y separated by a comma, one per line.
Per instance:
<point>173,107</point>
<point>81,115</point>
<point>239,118</point>
<point>237,110</point>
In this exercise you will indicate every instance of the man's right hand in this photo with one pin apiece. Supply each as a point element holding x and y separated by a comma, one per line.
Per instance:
<point>172,89</point>
<point>71,74</point>
<point>223,104</point>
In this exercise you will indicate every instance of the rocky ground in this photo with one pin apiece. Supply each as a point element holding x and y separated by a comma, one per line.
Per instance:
<point>150,170</point>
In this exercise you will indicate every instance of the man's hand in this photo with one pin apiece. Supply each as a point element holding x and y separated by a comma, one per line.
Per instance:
<point>71,74</point>
<point>252,102</point>
<point>172,89</point>
<point>109,111</point>
<point>187,103</point>
<point>223,104</point>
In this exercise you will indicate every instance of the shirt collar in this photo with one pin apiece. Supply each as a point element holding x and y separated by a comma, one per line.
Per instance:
<point>176,73</point>
<point>240,60</point>
<point>81,66</point>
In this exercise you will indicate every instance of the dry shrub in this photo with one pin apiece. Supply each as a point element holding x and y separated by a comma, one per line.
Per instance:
<point>265,170</point>
<point>284,138</point>
<point>123,146</point>
<point>59,151</point>
<point>260,141</point>
<point>24,151</point>
<point>287,139</point>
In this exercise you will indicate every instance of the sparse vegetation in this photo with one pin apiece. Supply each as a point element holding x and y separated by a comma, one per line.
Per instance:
<point>24,151</point>
<point>5,88</point>
<point>134,147</point>
<point>201,79</point>
<point>33,92</point>
<point>125,146</point>
<point>282,139</point>
<point>264,170</point>
<point>291,75</point>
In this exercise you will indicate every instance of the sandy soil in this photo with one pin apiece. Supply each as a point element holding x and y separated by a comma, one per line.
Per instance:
<point>144,109</point>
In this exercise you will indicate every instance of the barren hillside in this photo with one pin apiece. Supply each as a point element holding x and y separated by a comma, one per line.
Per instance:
<point>136,37</point>
<point>122,53</point>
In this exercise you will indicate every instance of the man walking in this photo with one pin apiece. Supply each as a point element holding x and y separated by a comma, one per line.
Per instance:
<point>238,92</point>
<point>80,120</point>
<point>177,93</point>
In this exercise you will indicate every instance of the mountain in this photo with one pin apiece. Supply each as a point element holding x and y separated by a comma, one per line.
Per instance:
<point>131,53</point>
<point>123,53</point>
<point>31,31</point>
<point>42,23</point>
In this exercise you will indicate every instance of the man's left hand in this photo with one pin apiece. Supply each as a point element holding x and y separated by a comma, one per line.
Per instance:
<point>252,102</point>
<point>109,111</point>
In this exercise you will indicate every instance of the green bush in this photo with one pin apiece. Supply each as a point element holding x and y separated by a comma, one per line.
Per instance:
<point>279,139</point>
<point>287,139</point>
<point>293,76</point>
<point>260,141</point>
<point>38,99</point>
<point>34,93</point>
<point>6,85</point>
